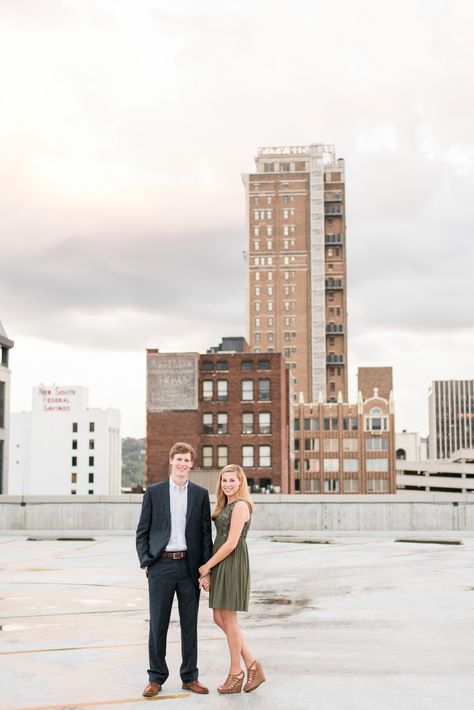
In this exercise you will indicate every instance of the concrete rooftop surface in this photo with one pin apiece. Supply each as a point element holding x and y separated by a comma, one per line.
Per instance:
<point>365,622</point>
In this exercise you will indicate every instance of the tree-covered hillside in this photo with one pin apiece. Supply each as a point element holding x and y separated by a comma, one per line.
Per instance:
<point>133,462</point>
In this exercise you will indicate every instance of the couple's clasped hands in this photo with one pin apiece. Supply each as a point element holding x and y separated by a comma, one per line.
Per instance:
<point>204,579</point>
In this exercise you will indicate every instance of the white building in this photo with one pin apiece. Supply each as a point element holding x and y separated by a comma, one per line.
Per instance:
<point>409,445</point>
<point>5,347</point>
<point>63,447</point>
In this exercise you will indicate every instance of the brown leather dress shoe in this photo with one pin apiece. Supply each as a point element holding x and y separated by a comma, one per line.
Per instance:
<point>151,690</point>
<point>195,687</point>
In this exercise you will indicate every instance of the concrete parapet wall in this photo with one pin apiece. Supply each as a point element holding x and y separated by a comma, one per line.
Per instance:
<point>275,512</point>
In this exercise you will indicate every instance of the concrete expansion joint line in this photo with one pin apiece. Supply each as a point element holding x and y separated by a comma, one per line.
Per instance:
<point>101,703</point>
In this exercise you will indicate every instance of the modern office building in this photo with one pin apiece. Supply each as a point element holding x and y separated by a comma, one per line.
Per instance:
<point>347,448</point>
<point>5,346</point>
<point>232,407</point>
<point>451,417</point>
<point>297,265</point>
<point>65,447</point>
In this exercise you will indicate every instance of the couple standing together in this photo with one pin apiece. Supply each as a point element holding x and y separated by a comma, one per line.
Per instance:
<point>174,546</point>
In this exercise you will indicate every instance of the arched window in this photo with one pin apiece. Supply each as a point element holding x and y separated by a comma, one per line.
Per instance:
<point>401,454</point>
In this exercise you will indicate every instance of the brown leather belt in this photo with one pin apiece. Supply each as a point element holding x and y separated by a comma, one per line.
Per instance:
<point>175,555</point>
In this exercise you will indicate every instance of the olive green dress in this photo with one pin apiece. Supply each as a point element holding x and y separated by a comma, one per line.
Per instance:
<point>230,584</point>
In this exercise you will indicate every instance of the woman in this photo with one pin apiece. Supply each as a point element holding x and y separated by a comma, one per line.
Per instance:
<point>230,585</point>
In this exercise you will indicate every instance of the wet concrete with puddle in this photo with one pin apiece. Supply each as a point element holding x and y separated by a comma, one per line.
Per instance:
<point>359,624</point>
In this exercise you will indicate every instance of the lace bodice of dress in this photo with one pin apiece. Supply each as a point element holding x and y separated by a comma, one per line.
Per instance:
<point>222,522</point>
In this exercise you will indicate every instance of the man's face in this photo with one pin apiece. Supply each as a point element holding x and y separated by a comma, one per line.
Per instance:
<point>180,466</point>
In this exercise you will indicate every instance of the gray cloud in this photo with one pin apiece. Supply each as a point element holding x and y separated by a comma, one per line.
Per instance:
<point>125,128</point>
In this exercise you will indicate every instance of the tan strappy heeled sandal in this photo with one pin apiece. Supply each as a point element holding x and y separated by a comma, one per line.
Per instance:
<point>255,677</point>
<point>233,684</point>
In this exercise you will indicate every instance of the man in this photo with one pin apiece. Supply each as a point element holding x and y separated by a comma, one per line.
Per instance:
<point>173,541</point>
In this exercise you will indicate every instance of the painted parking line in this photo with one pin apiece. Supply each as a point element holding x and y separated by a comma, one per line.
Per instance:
<point>74,613</point>
<point>101,703</point>
<point>93,648</point>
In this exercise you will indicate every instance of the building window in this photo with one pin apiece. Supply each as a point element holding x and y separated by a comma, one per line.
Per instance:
<point>74,427</point>
<point>256,231</point>
<point>91,444</point>
<point>331,444</point>
<point>376,443</point>
<point>207,366</point>
<point>207,424</point>
<point>247,456</point>
<point>222,365</point>
<point>74,461</point>
<point>257,337</point>
<point>74,443</point>
<point>376,465</point>
<point>377,485</point>
<point>247,365</point>
<point>307,424</point>
<point>257,290</point>
<point>375,421</point>
<point>296,424</point>
<point>350,445</point>
<point>91,426</point>
<point>207,456</point>
<point>350,424</point>
<point>330,423</point>
<point>264,390</point>
<point>73,493</point>
<point>247,390</point>
<point>247,423</point>
<point>263,365</point>
<point>331,485</point>
<point>207,390</point>
<point>222,390</point>
<point>91,478</point>
<point>270,306</point>
<point>222,456</point>
<point>331,465</point>
<point>91,460</point>
<point>264,423</point>
<point>222,425</point>
<point>296,444</point>
<point>311,445</point>
<point>270,337</point>
<point>264,456</point>
<point>90,492</point>
<point>73,477</point>
<point>350,485</point>
<point>269,232</point>
<point>350,465</point>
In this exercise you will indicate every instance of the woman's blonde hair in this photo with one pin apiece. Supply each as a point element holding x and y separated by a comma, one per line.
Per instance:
<point>243,493</point>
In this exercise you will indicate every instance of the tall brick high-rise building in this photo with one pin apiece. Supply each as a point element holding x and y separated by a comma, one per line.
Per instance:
<point>297,265</point>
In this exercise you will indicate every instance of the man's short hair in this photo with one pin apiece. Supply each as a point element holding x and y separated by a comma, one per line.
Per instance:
<point>182,448</point>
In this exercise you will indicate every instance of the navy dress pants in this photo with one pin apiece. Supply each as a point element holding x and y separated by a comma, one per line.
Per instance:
<point>165,578</point>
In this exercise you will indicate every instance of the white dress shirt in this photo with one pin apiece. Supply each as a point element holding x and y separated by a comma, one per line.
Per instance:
<point>178,509</point>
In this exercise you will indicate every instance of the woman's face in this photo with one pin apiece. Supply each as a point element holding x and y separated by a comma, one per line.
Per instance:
<point>230,484</point>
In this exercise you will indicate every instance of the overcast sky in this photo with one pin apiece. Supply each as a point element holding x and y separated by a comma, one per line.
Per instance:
<point>125,126</point>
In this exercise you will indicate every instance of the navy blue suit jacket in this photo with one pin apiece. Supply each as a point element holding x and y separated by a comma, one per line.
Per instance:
<point>154,526</point>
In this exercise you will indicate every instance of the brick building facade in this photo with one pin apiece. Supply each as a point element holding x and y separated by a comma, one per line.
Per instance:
<point>231,407</point>
<point>297,265</point>
<point>347,448</point>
